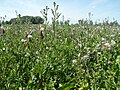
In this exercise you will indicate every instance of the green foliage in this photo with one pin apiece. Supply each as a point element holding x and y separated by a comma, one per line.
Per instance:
<point>26,19</point>
<point>44,12</point>
<point>81,57</point>
<point>55,17</point>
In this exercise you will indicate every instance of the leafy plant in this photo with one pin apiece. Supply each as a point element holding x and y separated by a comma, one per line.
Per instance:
<point>82,56</point>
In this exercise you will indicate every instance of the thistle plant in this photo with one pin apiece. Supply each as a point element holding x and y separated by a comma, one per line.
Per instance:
<point>55,17</point>
<point>82,57</point>
<point>2,20</point>
<point>44,12</point>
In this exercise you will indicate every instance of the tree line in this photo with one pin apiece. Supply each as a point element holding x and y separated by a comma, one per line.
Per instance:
<point>25,19</point>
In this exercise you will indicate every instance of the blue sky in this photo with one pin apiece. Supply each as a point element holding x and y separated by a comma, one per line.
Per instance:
<point>71,9</point>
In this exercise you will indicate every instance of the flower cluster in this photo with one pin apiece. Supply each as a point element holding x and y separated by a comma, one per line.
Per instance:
<point>105,45</point>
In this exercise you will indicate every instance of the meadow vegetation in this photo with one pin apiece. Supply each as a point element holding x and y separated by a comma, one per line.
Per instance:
<point>82,56</point>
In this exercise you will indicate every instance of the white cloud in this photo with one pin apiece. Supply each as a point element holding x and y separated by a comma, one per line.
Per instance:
<point>93,6</point>
<point>95,3</point>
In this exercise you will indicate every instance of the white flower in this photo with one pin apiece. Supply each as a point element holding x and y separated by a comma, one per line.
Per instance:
<point>1,27</point>
<point>113,42</point>
<point>40,25</point>
<point>52,31</point>
<point>107,35</point>
<point>27,54</point>
<point>20,31</point>
<point>80,45</point>
<point>118,59</point>
<point>107,46</point>
<point>20,88</point>
<point>36,52</point>
<point>74,61</point>
<point>103,39</point>
<point>85,57</point>
<point>99,53</point>
<point>47,48</point>
<point>112,35</point>
<point>23,40</point>
<point>60,85</point>
<point>29,36</point>
<point>79,55</point>
<point>3,49</point>
<point>97,46</point>
<point>41,29</point>
<point>102,28</point>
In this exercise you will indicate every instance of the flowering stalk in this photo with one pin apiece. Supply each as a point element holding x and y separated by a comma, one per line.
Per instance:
<point>55,17</point>
<point>44,12</point>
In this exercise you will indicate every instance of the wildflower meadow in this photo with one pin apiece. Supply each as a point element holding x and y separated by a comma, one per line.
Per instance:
<point>60,55</point>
